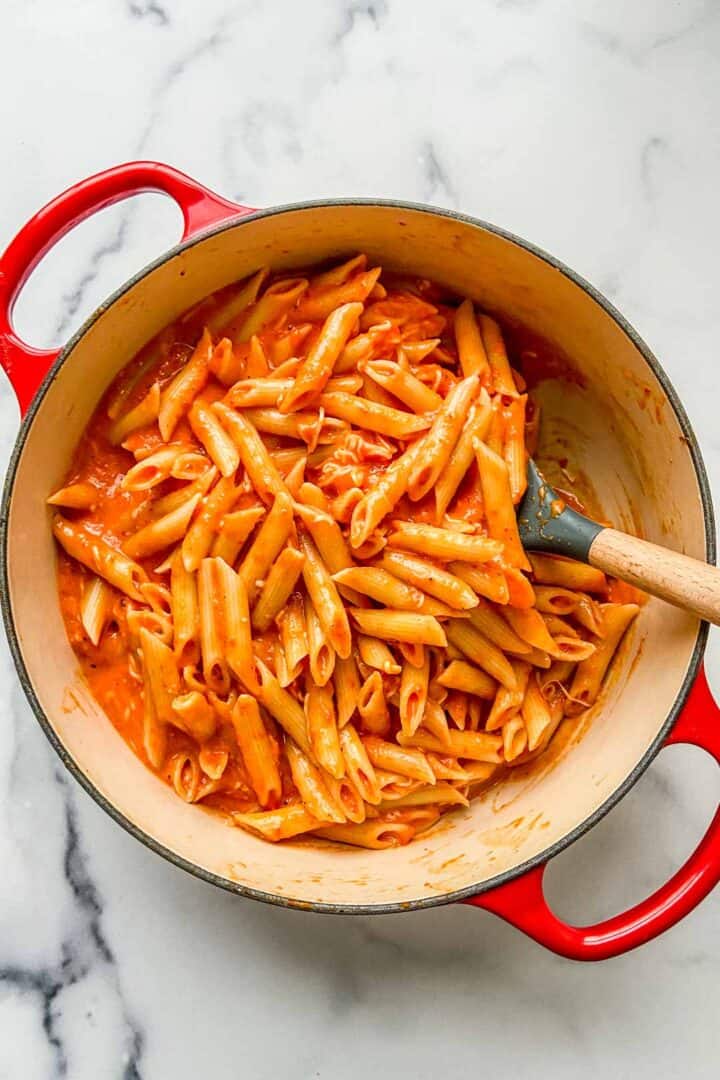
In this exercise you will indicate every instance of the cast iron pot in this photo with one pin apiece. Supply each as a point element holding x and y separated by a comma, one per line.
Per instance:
<point>628,432</point>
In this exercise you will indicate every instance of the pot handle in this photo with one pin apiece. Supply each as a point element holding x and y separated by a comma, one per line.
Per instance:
<point>522,902</point>
<point>26,366</point>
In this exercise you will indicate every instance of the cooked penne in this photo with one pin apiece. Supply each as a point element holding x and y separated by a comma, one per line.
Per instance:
<point>443,543</point>
<point>263,474</point>
<point>326,600</point>
<point>279,584</point>
<point>396,625</point>
<point>316,369</point>
<point>75,497</point>
<point>555,570</point>
<point>176,399</point>
<point>440,440</point>
<point>113,566</point>
<point>291,567</point>
<point>210,432</point>
<point>471,350</point>
<point>96,606</point>
<point>271,538</point>
<point>347,688</point>
<point>321,654</point>
<point>459,675</point>
<point>323,730</point>
<point>359,766</point>
<point>589,674</point>
<point>232,531</point>
<point>372,705</point>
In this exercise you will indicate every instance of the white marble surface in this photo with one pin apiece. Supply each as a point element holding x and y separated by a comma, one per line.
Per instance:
<point>591,128</point>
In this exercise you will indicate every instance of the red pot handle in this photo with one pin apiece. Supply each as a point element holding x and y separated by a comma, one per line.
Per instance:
<point>522,901</point>
<point>26,366</point>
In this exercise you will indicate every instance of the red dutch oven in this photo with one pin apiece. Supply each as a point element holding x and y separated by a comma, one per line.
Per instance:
<point>624,427</point>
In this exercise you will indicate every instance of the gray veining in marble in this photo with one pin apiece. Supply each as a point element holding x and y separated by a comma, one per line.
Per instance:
<point>590,128</point>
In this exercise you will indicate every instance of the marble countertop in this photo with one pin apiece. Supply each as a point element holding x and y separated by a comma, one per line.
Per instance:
<point>591,129</point>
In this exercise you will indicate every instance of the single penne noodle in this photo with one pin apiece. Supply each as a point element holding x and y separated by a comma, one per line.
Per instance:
<point>158,597</point>
<point>443,543</point>
<point>359,767</point>
<point>435,721</point>
<point>271,538</point>
<point>96,607</point>
<point>144,413</point>
<point>557,570</point>
<point>442,794</point>
<point>398,759</point>
<point>555,600</point>
<point>347,688</point>
<point>280,824</point>
<point>485,579</point>
<point>502,378</point>
<point>189,465</point>
<point>279,584</point>
<point>413,693</point>
<point>536,714</point>
<point>463,455</point>
<point>572,648</point>
<point>213,763</point>
<point>479,772</point>
<point>211,609</point>
<point>325,598</point>
<point>529,625</point>
<point>193,714</point>
<point>376,654</point>
<point>138,619</point>
<point>226,363</point>
<point>364,347</point>
<point>515,738</point>
<point>588,614</point>
<point>177,398</point>
<point>309,782</point>
<point>514,451</point>
<point>233,530</point>
<point>446,587</point>
<point>162,532</point>
<point>254,455</point>
<point>520,592</point>
<point>152,470</point>
<point>199,537</point>
<point>405,386</point>
<point>481,652</point>
<point>379,585</point>
<point>327,536</point>
<point>80,496</point>
<point>383,497</point>
<point>323,730</point>
<point>275,301</point>
<point>238,301</point>
<point>589,674</point>
<point>160,675</point>
<point>443,435</point>
<point>293,637</point>
<point>295,478</point>
<point>283,707</point>
<point>310,427</point>
<point>446,768</point>
<point>456,707</point>
<point>376,834</point>
<point>313,496</point>
<point>339,274</point>
<point>372,416</point>
<point>316,369</point>
<point>320,303</point>
<point>237,632</point>
<point>460,675</point>
<point>347,797</point>
<point>320,652</point>
<point>473,745</point>
<point>372,705</point>
<point>393,625</point>
<point>471,350</point>
<point>167,503</point>
<point>257,363</point>
<point>113,566</point>
<point>209,431</point>
<point>186,775</point>
<point>495,628</point>
<point>412,653</point>
<point>498,504</point>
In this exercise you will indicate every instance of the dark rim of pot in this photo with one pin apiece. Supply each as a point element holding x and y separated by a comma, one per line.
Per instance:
<point>259,894</point>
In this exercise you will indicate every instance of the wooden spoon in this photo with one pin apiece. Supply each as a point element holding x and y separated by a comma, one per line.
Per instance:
<point>547,524</point>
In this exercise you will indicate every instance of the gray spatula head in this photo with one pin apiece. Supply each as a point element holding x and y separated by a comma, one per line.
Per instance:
<point>547,524</point>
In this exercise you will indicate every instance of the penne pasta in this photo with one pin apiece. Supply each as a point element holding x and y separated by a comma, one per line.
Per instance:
<point>347,688</point>
<point>210,432</point>
<point>176,399</point>
<point>113,566</point>
<point>440,440</point>
<point>498,504</point>
<point>262,472</point>
<point>323,731</point>
<point>271,538</point>
<point>414,693</point>
<point>589,674</point>
<point>96,606</point>
<point>394,625</point>
<point>75,497</point>
<point>317,367</point>
<point>279,584</point>
<point>326,600</point>
<point>321,654</point>
<point>446,587</point>
<point>443,544</point>
<point>459,675</point>
<point>372,705</point>
<point>470,346</point>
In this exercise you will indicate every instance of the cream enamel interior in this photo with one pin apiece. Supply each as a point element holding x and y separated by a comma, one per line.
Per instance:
<point>635,453</point>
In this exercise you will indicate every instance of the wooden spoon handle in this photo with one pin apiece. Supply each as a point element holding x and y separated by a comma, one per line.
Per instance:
<point>680,580</point>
